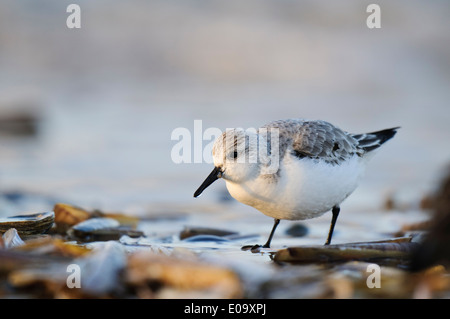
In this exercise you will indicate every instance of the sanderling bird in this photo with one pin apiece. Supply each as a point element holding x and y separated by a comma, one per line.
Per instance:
<point>318,167</point>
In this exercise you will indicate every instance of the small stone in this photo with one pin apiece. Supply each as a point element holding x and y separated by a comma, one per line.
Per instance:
<point>297,230</point>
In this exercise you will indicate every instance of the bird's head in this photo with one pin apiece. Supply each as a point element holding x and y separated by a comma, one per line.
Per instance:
<point>235,156</point>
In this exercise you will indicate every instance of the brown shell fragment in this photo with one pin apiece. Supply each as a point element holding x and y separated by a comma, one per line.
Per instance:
<point>30,224</point>
<point>357,251</point>
<point>123,219</point>
<point>185,275</point>
<point>68,215</point>
<point>194,231</point>
<point>423,225</point>
<point>52,246</point>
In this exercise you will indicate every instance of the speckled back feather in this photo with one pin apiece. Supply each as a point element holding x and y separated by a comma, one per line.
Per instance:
<point>321,140</point>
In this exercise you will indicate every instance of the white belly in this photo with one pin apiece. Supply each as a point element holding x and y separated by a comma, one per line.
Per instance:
<point>305,188</point>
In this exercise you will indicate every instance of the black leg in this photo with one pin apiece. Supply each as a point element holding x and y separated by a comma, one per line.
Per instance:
<point>255,248</point>
<point>336,209</point>
<point>275,224</point>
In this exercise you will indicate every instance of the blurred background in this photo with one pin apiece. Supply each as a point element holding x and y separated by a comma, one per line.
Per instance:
<point>86,115</point>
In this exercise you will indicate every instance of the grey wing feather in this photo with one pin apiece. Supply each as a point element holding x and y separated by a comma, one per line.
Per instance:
<point>315,139</point>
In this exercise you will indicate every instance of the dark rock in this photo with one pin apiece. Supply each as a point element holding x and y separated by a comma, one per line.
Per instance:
<point>297,230</point>
<point>436,246</point>
<point>194,231</point>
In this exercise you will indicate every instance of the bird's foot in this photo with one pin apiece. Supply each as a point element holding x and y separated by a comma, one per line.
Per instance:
<point>253,248</point>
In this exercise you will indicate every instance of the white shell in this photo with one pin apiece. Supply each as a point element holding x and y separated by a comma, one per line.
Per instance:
<point>11,238</point>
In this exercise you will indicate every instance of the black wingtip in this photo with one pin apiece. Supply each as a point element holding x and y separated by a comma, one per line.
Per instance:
<point>373,140</point>
<point>387,134</point>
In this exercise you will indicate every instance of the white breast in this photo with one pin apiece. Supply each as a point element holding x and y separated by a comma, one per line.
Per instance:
<point>304,189</point>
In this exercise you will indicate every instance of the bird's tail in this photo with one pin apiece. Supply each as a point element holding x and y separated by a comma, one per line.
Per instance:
<point>370,141</point>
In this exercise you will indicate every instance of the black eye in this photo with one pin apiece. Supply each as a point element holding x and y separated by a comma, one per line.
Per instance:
<point>235,154</point>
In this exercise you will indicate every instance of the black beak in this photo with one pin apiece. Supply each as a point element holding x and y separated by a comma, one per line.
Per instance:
<point>215,175</point>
